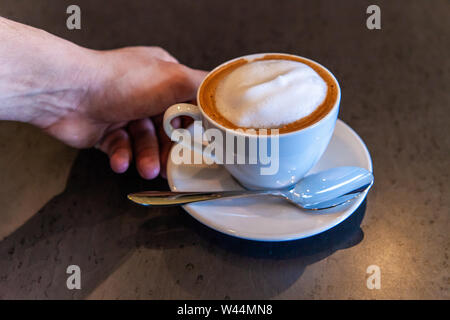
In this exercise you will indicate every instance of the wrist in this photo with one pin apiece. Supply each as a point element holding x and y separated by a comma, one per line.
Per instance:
<point>43,77</point>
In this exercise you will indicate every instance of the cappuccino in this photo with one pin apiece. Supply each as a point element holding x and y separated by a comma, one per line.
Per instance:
<point>281,92</point>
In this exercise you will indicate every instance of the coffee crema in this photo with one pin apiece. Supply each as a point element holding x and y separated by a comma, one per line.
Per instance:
<point>237,113</point>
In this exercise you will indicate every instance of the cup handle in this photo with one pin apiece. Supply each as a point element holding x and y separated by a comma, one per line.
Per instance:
<point>186,109</point>
<point>179,109</point>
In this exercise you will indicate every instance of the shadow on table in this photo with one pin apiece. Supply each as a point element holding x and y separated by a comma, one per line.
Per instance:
<point>92,225</point>
<point>207,264</point>
<point>81,226</point>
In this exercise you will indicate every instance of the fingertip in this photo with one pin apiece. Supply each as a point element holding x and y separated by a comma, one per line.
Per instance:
<point>164,159</point>
<point>120,161</point>
<point>148,169</point>
<point>163,173</point>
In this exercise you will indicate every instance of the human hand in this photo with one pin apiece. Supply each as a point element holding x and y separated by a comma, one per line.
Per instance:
<point>122,114</point>
<point>110,99</point>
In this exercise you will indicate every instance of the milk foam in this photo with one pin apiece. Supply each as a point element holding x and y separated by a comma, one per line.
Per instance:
<point>269,93</point>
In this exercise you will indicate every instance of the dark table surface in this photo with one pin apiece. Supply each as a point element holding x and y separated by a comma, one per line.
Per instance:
<point>395,94</point>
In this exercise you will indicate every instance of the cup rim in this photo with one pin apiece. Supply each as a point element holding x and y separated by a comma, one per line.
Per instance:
<point>255,56</point>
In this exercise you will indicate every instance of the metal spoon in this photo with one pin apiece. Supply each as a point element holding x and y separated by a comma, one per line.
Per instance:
<point>322,190</point>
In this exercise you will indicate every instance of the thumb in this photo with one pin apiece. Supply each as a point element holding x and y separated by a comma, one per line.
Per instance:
<point>166,84</point>
<point>186,83</point>
<point>145,90</point>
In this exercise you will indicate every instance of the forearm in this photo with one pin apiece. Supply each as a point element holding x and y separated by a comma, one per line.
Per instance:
<point>42,77</point>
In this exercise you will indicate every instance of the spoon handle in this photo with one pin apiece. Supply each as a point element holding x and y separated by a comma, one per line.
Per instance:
<point>169,198</point>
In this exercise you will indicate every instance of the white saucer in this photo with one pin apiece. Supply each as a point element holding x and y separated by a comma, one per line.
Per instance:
<point>267,218</point>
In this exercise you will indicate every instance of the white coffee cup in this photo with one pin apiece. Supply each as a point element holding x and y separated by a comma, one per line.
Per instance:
<point>298,151</point>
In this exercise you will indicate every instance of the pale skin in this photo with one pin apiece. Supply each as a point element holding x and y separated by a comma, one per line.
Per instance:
<point>113,99</point>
